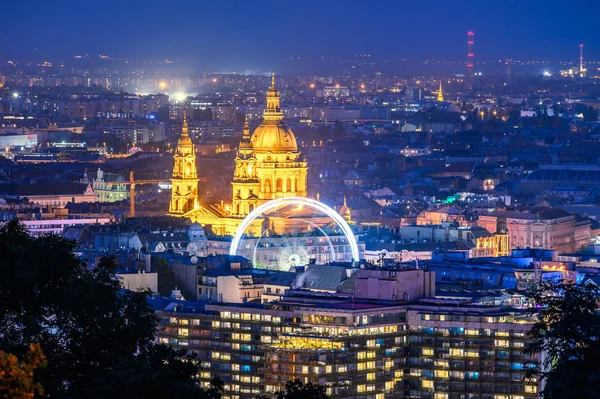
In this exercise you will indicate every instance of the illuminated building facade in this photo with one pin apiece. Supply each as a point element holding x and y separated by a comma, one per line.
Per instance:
<point>184,192</point>
<point>268,165</point>
<point>495,245</point>
<point>356,348</point>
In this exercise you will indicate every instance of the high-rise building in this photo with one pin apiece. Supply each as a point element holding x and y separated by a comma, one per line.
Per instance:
<point>382,335</point>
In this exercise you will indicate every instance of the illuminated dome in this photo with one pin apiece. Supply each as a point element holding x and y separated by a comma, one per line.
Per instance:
<point>272,134</point>
<point>274,138</point>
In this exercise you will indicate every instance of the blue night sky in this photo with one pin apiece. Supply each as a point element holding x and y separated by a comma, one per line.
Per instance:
<point>236,34</point>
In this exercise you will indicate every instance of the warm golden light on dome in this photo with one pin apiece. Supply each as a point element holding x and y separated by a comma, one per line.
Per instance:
<point>274,138</point>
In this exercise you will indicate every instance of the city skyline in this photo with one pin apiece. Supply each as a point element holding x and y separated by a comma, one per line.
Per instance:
<point>232,36</point>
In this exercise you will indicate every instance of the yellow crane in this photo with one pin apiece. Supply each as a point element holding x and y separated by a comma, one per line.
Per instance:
<point>132,183</point>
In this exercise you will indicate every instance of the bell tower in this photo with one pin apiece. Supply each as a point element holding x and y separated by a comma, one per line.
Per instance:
<point>245,183</point>
<point>184,192</point>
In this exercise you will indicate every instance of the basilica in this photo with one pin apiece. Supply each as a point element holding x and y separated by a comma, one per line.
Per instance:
<point>268,165</point>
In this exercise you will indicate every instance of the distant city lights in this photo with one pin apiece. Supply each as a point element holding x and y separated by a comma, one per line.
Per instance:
<point>179,96</point>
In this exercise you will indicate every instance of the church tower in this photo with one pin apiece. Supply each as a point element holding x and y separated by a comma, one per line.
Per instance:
<point>440,96</point>
<point>268,164</point>
<point>245,183</point>
<point>184,192</point>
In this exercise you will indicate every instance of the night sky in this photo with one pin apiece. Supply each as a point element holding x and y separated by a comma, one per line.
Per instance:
<point>252,34</point>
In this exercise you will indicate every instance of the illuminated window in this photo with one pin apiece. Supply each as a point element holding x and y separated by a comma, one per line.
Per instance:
<point>370,376</point>
<point>441,374</point>
<point>427,384</point>
<point>361,388</point>
<point>440,395</point>
<point>530,389</point>
<point>456,352</point>
<point>427,352</point>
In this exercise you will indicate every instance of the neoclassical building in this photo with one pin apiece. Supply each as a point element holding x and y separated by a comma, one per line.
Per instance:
<point>268,165</point>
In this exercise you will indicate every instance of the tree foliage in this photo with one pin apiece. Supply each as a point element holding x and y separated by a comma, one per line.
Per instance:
<point>98,338</point>
<point>16,376</point>
<point>567,334</point>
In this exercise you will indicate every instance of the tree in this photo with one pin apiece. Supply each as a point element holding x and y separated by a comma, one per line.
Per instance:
<point>97,337</point>
<point>297,390</point>
<point>166,277</point>
<point>16,376</point>
<point>567,333</point>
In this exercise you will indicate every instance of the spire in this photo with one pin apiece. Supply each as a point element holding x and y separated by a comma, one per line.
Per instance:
<point>345,201</point>
<point>184,128</point>
<point>245,143</point>
<point>440,96</point>
<point>273,112</point>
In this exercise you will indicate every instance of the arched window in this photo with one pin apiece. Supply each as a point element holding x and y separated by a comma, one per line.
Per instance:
<point>279,185</point>
<point>288,185</point>
<point>267,185</point>
<point>250,208</point>
<point>237,209</point>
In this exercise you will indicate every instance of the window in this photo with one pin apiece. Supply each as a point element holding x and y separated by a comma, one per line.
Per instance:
<point>530,389</point>
<point>441,374</point>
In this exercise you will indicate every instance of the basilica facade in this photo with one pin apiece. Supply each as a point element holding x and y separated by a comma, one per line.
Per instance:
<point>268,165</point>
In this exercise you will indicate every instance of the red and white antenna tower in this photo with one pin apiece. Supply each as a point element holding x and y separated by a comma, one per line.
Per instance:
<point>470,42</point>
<point>581,58</point>
<point>508,62</point>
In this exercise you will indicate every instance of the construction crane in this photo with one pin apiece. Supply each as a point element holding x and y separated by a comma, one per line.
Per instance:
<point>132,183</point>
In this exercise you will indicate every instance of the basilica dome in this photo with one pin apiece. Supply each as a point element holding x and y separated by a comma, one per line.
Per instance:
<point>274,137</point>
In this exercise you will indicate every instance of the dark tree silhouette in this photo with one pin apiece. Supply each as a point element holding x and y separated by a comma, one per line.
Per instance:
<point>97,337</point>
<point>568,334</point>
